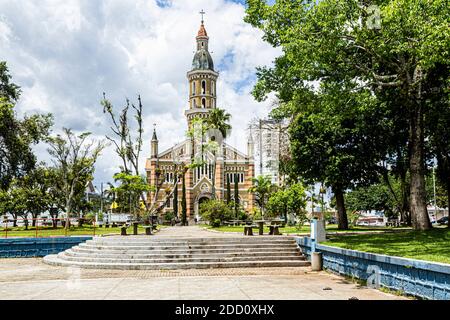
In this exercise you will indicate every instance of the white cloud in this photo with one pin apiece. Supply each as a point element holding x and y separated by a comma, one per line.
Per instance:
<point>64,54</point>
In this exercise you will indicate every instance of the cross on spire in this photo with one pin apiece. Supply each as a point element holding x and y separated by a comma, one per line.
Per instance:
<point>202,13</point>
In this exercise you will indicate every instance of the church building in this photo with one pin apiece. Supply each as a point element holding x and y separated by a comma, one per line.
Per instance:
<point>230,163</point>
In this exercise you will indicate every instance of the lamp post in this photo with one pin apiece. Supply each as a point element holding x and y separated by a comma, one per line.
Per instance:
<point>434,188</point>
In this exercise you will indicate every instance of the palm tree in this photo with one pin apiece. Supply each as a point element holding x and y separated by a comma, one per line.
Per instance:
<point>217,119</point>
<point>262,188</point>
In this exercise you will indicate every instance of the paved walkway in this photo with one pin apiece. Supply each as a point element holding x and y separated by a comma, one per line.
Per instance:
<point>32,279</point>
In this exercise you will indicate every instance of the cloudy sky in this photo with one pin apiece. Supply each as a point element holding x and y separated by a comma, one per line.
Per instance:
<point>66,53</point>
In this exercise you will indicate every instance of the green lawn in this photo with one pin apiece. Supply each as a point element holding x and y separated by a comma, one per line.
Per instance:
<point>74,231</point>
<point>433,245</point>
<point>303,230</point>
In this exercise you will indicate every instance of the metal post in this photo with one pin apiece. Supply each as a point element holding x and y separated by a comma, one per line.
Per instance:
<point>434,191</point>
<point>260,148</point>
<point>101,197</point>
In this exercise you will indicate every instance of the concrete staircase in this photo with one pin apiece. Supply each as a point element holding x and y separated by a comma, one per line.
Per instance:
<point>153,253</point>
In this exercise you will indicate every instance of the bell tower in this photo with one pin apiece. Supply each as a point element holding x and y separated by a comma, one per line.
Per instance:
<point>202,79</point>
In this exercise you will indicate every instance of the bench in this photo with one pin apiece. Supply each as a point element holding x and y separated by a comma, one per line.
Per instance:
<point>248,229</point>
<point>273,229</point>
<point>148,230</point>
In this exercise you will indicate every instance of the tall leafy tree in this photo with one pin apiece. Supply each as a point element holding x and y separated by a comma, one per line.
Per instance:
<point>262,188</point>
<point>288,200</point>
<point>394,47</point>
<point>74,156</point>
<point>217,119</point>
<point>17,136</point>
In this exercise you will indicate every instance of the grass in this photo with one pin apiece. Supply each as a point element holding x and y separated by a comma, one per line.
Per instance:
<point>42,232</point>
<point>432,245</point>
<point>304,229</point>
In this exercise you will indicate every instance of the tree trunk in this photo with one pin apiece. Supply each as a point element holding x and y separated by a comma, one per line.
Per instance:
<point>418,204</point>
<point>340,204</point>
<point>448,202</point>
<point>213,188</point>
<point>175,200</point>
<point>228,190</point>
<point>183,201</point>
<point>405,200</point>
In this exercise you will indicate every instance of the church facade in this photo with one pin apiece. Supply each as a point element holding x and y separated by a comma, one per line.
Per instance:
<point>230,163</point>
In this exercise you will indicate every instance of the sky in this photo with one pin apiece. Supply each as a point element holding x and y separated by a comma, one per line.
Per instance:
<point>65,53</point>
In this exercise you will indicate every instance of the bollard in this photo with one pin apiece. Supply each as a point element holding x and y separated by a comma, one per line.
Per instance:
<point>123,231</point>
<point>148,231</point>
<point>135,228</point>
<point>316,261</point>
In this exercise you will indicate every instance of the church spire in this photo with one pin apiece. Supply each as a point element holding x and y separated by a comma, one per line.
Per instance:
<point>202,31</point>
<point>154,144</point>
<point>202,78</point>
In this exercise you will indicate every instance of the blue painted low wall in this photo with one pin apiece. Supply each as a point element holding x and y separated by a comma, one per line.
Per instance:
<point>422,279</point>
<point>37,247</point>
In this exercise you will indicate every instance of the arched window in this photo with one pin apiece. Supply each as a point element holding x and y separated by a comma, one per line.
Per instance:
<point>203,87</point>
<point>203,103</point>
<point>193,88</point>
<point>212,87</point>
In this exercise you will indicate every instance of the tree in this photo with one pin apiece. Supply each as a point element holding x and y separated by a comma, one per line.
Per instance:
<point>228,190</point>
<point>262,188</point>
<point>288,200</point>
<point>36,186</point>
<point>438,127</point>
<point>236,200</point>
<point>216,212</point>
<point>183,201</point>
<point>375,197</point>
<point>74,156</point>
<point>175,201</point>
<point>17,136</point>
<point>8,90</point>
<point>13,201</point>
<point>217,120</point>
<point>129,192</point>
<point>395,52</point>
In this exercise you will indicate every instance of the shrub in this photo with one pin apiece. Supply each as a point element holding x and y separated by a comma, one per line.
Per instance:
<point>216,223</point>
<point>169,216</point>
<point>214,210</point>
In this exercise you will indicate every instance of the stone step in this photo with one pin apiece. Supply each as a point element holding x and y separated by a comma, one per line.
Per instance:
<point>187,246</point>
<point>54,260</point>
<point>243,239</point>
<point>177,251</point>
<point>165,254</point>
<point>175,239</point>
<point>178,243</point>
<point>66,257</point>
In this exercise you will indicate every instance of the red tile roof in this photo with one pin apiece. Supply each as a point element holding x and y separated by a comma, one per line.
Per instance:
<point>202,31</point>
